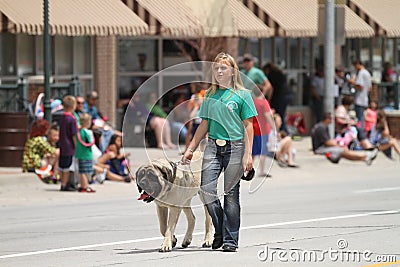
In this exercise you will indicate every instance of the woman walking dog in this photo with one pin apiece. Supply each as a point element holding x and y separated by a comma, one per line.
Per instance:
<point>227,117</point>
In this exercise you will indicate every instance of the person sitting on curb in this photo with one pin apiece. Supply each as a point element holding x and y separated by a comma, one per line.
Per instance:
<point>39,155</point>
<point>380,136</point>
<point>323,144</point>
<point>177,128</point>
<point>344,124</point>
<point>282,145</point>
<point>102,169</point>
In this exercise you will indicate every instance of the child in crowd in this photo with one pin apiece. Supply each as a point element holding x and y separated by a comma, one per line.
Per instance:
<point>262,125</point>
<point>83,153</point>
<point>100,163</point>
<point>282,145</point>
<point>380,136</point>
<point>370,117</point>
<point>52,138</point>
<point>118,162</point>
<point>67,143</point>
<point>39,156</point>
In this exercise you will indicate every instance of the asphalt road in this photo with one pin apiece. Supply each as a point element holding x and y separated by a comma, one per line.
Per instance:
<point>331,214</point>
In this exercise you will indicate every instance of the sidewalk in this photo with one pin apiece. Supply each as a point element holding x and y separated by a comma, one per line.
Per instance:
<point>17,188</point>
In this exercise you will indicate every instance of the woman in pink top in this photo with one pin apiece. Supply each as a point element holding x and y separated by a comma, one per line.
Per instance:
<point>370,116</point>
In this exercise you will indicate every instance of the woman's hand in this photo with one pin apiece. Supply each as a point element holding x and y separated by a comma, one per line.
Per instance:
<point>247,162</point>
<point>187,156</point>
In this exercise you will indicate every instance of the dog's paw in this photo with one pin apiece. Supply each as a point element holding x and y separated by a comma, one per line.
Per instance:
<point>166,246</point>
<point>186,243</point>
<point>174,241</point>
<point>206,244</point>
<point>165,249</point>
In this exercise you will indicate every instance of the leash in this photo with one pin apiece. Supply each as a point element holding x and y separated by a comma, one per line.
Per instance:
<point>176,164</point>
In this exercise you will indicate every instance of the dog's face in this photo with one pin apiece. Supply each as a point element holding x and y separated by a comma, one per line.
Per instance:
<point>152,180</point>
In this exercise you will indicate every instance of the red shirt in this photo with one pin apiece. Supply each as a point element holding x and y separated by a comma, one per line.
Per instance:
<point>371,118</point>
<point>260,123</point>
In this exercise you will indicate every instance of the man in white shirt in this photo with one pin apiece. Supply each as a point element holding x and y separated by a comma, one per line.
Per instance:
<point>362,83</point>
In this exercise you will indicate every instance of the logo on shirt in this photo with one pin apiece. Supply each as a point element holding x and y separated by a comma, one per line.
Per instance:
<point>231,105</point>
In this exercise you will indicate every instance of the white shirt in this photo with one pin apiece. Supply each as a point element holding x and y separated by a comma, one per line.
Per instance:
<point>364,79</point>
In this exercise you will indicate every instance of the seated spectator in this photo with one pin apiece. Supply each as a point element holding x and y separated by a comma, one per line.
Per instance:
<point>177,128</point>
<point>137,113</point>
<point>120,160</point>
<point>100,165</point>
<point>370,116</point>
<point>344,124</point>
<point>39,154</point>
<point>323,144</point>
<point>282,145</point>
<point>52,137</point>
<point>380,136</point>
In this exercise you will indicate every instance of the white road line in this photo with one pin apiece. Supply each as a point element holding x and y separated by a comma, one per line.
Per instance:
<point>384,189</point>
<point>198,233</point>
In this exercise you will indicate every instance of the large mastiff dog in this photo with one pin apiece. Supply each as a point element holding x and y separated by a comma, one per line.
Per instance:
<point>172,188</point>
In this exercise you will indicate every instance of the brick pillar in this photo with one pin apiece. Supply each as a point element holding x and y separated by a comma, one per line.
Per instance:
<point>105,61</point>
<point>393,120</point>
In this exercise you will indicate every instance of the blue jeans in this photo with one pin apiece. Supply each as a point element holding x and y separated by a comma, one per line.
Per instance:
<point>360,114</point>
<point>226,220</point>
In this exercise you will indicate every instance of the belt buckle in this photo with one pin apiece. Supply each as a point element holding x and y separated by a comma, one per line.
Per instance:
<point>220,142</point>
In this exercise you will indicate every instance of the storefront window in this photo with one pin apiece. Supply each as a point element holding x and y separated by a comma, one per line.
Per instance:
<point>267,52</point>
<point>39,55</point>
<point>137,55</point>
<point>63,55</point>
<point>25,54</point>
<point>82,55</point>
<point>7,54</point>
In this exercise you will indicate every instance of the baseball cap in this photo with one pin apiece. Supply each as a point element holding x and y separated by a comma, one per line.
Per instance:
<point>248,57</point>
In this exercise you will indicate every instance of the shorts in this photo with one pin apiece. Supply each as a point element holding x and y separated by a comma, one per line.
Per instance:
<point>85,166</point>
<point>335,152</point>
<point>65,163</point>
<point>260,145</point>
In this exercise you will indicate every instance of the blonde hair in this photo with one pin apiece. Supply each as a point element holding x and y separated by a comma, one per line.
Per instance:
<point>227,59</point>
<point>69,103</point>
<point>85,120</point>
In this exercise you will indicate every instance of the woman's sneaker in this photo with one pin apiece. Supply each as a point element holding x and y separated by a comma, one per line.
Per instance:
<point>101,177</point>
<point>371,155</point>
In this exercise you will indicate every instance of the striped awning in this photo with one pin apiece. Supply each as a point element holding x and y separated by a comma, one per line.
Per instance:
<point>355,27</point>
<point>199,18</point>
<point>382,15</point>
<point>228,18</point>
<point>299,18</point>
<point>71,17</point>
<point>166,17</point>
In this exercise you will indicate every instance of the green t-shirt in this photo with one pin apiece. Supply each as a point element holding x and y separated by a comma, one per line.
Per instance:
<point>157,110</point>
<point>254,75</point>
<point>225,112</point>
<point>84,152</point>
